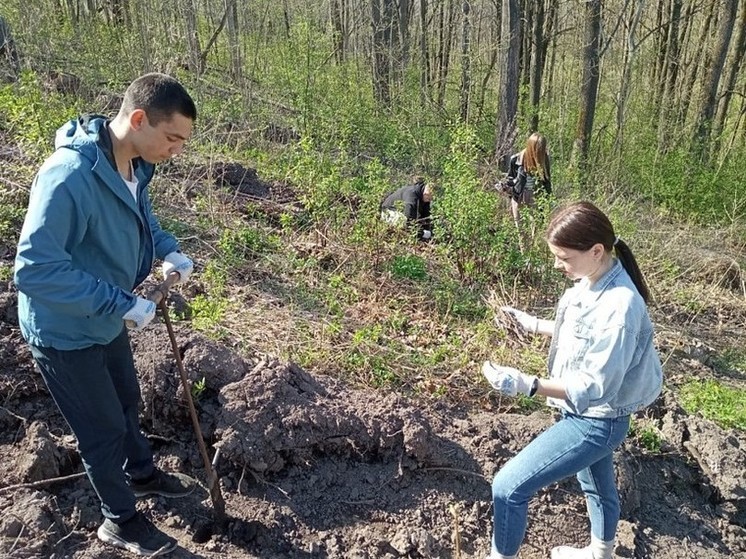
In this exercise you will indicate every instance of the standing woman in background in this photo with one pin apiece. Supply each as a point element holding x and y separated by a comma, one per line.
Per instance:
<point>603,367</point>
<point>529,174</point>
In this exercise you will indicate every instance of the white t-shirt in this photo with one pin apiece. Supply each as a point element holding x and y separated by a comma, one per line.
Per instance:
<point>131,185</point>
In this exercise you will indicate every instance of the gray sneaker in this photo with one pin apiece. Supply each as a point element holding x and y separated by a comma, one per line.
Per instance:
<point>165,484</point>
<point>138,535</point>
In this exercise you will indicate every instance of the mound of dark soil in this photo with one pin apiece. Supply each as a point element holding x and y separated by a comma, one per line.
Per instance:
<point>310,467</point>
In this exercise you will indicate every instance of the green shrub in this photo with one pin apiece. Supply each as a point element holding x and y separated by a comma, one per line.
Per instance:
<point>12,211</point>
<point>207,314</point>
<point>31,114</point>
<point>481,241</point>
<point>244,243</point>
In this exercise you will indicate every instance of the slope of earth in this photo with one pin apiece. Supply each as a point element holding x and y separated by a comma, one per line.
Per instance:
<point>310,467</point>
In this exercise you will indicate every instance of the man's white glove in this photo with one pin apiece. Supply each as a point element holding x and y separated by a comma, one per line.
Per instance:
<point>528,322</point>
<point>139,316</point>
<point>177,262</point>
<point>427,234</point>
<point>508,380</point>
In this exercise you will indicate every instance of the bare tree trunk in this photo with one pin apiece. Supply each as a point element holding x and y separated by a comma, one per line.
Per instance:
<point>443,54</point>
<point>381,20</point>
<point>729,83</point>
<point>625,84</point>
<point>540,40</point>
<point>525,30</point>
<point>551,40</point>
<point>465,60</point>
<point>485,80</point>
<point>673,49</point>
<point>589,86</point>
<point>213,38</point>
<point>508,96</point>
<point>708,102</point>
<point>120,11</point>
<point>234,42</point>
<point>669,71</point>
<point>74,10</point>
<point>424,54</point>
<point>694,69</point>
<point>337,16</point>
<point>661,47</point>
<point>739,126</point>
<point>403,36</point>
<point>196,62</point>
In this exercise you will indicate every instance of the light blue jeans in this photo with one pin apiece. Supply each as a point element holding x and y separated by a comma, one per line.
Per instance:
<point>574,445</point>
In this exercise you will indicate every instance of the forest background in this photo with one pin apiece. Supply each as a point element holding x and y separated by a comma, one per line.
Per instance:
<point>337,102</point>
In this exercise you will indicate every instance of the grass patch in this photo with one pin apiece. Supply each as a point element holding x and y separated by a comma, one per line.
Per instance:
<point>6,272</point>
<point>409,267</point>
<point>12,211</point>
<point>724,405</point>
<point>732,359</point>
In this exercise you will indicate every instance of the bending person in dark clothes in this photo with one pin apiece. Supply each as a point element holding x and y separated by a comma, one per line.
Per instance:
<point>410,205</point>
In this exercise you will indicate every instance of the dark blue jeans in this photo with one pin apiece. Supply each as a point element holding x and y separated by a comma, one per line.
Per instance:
<point>97,392</point>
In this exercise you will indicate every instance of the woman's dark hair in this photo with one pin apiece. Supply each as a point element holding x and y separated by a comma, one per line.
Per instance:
<point>581,225</point>
<point>160,96</point>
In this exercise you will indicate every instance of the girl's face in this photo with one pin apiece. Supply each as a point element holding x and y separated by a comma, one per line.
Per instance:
<point>578,264</point>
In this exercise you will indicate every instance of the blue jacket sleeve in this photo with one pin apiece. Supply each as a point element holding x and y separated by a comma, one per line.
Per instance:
<point>56,222</point>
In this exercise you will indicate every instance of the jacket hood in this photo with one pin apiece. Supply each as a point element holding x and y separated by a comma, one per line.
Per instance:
<point>86,134</point>
<point>89,135</point>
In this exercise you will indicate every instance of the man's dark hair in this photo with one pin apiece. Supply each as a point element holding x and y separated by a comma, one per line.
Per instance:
<point>160,96</point>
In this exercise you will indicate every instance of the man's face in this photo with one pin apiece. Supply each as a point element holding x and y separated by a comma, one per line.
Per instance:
<point>162,141</point>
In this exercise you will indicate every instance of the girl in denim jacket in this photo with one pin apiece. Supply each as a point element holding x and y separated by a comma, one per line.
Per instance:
<point>602,368</point>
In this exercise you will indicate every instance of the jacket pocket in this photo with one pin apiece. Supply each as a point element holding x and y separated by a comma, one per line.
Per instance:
<point>582,340</point>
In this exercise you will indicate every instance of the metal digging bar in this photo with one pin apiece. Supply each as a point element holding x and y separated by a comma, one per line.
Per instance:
<point>159,296</point>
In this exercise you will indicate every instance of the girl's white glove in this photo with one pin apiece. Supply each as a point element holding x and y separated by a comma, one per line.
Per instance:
<point>528,322</point>
<point>177,262</point>
<point>508,380</point>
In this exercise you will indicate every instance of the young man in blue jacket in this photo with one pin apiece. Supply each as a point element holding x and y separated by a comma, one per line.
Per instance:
<point>88,240</point>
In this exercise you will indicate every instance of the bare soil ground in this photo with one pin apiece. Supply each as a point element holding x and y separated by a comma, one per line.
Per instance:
<point>312,468</point>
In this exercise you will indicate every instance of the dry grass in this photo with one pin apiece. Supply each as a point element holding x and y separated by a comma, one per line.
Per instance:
<point>337,308</point>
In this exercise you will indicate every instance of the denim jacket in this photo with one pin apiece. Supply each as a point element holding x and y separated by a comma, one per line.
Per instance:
<point>602,348</point>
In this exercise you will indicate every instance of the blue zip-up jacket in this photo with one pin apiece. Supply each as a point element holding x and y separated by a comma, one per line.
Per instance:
<point>85,242</point>
<point>602,348</point>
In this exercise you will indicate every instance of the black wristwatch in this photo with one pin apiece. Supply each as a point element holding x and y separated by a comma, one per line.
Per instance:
<point>534,387</point>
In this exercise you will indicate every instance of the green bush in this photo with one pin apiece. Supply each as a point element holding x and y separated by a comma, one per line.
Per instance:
<point>466,214</point>
<point>32,115</point>
<point>244,243</point>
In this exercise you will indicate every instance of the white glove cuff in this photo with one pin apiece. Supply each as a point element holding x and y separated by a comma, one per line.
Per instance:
<point>141,313</point>
<point>177,262</point>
